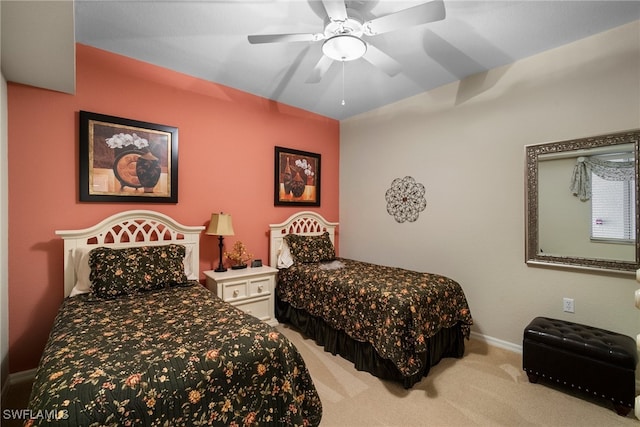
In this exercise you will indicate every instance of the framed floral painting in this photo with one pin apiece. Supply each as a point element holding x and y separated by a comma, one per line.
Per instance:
<point>123,160</point>
<point>297,178</point>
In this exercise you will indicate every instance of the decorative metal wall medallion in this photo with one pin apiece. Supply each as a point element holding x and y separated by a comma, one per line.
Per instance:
<point>405,199</point>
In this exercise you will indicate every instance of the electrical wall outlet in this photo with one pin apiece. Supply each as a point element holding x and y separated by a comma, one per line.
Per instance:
<point>567,305</point>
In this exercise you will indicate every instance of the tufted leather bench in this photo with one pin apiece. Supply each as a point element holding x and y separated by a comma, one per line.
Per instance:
<point>591,360</point>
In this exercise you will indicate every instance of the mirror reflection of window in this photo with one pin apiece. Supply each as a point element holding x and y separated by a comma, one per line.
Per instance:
<point>612,209</point>
<point>602,179</point>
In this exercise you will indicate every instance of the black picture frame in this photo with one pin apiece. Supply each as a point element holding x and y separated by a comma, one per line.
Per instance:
<point>297,178</point>
<point>125,160</point>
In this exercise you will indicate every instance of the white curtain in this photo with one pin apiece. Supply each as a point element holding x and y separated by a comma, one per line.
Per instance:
<point>605,169</point>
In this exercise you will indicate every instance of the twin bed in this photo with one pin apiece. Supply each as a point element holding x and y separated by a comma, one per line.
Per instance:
<point>140,342</point>
<point>146,344</point>
<point>391,322</point>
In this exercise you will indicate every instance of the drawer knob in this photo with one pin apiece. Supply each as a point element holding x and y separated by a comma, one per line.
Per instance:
<point>260,287</point>
<point>235,293</point>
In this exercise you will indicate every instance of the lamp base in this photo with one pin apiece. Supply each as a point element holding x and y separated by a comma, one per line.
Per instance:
<point>221,267</point>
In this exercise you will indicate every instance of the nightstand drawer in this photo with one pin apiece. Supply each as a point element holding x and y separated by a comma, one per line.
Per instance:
<point>250,289</point>
<point>257,307</point>
<point>261,286</point>
<point>234,290</point>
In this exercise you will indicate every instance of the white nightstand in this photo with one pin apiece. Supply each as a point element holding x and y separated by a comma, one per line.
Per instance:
<point>250,289</point>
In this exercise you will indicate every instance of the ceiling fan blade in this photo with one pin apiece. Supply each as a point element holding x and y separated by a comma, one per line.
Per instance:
<point>381,60</point>
<point>278,38</point>
<point>320,69</point>
<point>336,9</point>
<point>416,15</point>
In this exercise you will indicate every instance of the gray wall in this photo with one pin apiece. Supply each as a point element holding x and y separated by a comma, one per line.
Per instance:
<point>465,142</point>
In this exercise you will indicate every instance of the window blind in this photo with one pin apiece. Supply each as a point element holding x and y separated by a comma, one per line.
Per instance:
<point>612,209</point>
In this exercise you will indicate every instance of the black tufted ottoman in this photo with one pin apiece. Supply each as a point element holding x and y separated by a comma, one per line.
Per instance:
<point>588,359</point>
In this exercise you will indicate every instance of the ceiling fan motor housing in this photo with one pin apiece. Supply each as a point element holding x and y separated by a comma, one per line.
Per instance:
<point>352,25</point>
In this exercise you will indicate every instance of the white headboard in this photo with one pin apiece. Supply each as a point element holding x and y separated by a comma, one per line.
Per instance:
<point>305,223</point>
<point>126,229</point>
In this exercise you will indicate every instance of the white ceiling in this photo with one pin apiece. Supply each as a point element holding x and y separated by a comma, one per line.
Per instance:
<point>208,39</point>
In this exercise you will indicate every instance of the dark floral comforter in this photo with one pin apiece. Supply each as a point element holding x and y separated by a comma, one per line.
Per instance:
<point>393,309</point>
<point>170,357</point>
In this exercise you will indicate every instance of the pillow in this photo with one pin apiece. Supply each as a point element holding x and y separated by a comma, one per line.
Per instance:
<point>188,271</point>
<point>126,271</point>
<point>82,269</point>
<point>307,249</point>
<point>81,266</point>
<point>285,260</point>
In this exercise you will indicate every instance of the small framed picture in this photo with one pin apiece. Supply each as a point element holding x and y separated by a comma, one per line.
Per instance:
<point>297,178</point>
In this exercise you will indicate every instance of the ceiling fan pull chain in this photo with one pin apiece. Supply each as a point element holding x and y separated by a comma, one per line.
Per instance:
<point>343,82</point>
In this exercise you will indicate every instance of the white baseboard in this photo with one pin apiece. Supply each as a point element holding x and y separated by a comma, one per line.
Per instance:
<point>516,348</point>
<point>22,376</point>
<point>506,345</point>
<point>5,388</point>
<point>16,378</point>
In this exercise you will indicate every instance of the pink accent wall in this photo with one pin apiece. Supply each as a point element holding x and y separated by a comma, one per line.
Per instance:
<point>226,161</point>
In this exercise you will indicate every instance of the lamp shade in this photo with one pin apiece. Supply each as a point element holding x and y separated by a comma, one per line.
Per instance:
<point>344,47</point>
<point>220,225</point>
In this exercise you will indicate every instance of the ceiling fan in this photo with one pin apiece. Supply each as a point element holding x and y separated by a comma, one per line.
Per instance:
<point>345,28</point>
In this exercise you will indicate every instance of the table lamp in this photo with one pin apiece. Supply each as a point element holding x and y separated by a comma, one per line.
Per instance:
<point>220,226</point>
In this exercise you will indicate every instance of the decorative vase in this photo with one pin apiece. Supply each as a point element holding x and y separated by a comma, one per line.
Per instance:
<point>287,178</point>
<point>148,171</point>
<point>297,186</point>
<point>124,168</point>
<point>238,267</point>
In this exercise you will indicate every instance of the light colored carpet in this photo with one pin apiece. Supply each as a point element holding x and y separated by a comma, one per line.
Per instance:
<point>487,387</point>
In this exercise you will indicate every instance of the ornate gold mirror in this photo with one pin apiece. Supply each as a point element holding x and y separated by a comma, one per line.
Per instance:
<point>582,204</point>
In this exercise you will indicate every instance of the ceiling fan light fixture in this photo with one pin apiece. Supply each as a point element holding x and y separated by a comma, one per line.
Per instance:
<point>344,47</point>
